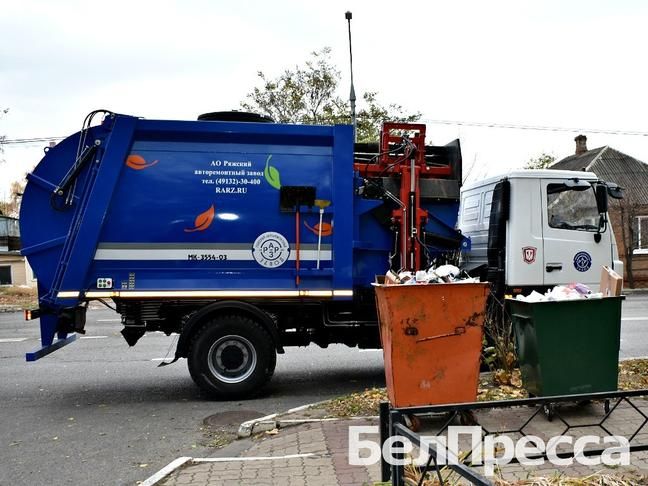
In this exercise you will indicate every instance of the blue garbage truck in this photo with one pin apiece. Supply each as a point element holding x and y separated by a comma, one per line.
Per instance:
<point>241,235</point>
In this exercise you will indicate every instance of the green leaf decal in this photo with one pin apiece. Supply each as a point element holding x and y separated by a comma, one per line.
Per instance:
<point>272,174</point>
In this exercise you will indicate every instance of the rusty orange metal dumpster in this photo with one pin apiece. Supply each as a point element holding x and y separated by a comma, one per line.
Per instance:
<point>432,338</point>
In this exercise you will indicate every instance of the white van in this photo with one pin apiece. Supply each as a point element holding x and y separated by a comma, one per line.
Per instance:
<point>538,228</point>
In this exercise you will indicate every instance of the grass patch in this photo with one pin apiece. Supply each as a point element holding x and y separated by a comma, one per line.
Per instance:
<point>413,476</point>
<point>633,374</point>
<point>360,404</point>
<point>500,385</point>
<point>219,439</point>
<point>495,386</point>
<point>19,297</point>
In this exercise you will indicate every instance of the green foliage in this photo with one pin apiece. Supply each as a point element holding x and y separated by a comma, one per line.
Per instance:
<point>11,206</point>
<point>543,161</point>
<point>303,95</point>
<point>307,94</point>
<point>373,114</point>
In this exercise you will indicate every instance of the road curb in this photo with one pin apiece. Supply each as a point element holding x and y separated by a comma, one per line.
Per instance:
<point>7,309</point>
<point>181,461</point>
<point>269,422</point>
<point>289,422</point>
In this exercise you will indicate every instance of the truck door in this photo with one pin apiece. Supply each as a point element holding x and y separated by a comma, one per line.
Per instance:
<point>570,223</point>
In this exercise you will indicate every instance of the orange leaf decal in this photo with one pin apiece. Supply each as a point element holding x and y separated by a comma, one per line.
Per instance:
<point>138,162</point>
<point>203,221</point>
<point>327,229</point>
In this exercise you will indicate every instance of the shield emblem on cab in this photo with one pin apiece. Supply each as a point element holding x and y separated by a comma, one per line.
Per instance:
<point>529,254</point>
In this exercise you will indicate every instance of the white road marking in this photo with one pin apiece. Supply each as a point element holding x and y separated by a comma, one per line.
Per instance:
<point>172,466</point>
<point>370,350</point>
<point>108,320</point>
<point>13,340</point>
<point>94,337</point>
<point>634,318</point>
<point>165,471</point>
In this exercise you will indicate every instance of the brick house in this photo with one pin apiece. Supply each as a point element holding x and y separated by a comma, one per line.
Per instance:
<point>629,217</point>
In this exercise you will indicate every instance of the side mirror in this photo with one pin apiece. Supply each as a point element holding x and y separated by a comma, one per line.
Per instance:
<point>614,191</point>
<point>601,198</point>
<point>576,184</point>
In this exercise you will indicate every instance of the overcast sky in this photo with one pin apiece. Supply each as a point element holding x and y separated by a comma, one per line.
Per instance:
<point>562,63</point>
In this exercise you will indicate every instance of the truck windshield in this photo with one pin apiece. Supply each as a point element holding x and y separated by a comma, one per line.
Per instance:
<point>572,209</point>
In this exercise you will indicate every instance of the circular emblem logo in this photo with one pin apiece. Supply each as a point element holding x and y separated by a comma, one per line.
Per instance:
<point>271,250</point>
<point>582,261</point>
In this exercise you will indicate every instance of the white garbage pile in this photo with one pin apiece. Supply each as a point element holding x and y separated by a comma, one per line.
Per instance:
<point>575,291</point>
<point>441,274</point>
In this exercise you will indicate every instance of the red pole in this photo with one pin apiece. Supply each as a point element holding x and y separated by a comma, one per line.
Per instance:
<point>297,247</point>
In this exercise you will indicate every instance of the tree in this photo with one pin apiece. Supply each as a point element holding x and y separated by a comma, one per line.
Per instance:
<point>11,207</point>
<point>543,161</point>
<point>628,211</point>
<point>373,114</point>
<point>308,94</point>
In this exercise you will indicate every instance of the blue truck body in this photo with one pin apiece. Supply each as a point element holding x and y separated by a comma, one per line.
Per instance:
<point>168,218</point>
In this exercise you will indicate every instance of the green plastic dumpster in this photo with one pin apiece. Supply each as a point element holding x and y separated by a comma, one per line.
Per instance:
<point>568,347</point>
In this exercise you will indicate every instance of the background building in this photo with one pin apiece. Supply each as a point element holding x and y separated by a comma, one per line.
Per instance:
<point>14,269</point>
<point>629,217</point>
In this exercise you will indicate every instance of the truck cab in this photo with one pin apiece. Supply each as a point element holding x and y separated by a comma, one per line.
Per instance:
<point>533,229</point>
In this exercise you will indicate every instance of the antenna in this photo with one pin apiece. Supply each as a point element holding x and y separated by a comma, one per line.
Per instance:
<point>352,95</point>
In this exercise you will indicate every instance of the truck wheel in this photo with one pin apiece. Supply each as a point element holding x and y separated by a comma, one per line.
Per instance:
<point>232,357</point>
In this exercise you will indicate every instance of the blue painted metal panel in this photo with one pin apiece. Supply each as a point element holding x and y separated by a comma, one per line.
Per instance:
<point>43,229</point>
<point>92,211</point>
<point>201,206</point>
<point>198,194</point>
<point>48,349</point>
<point>342,203</point>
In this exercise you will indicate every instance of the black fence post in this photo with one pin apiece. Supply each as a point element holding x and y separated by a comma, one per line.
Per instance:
<point>384,434</point>
<point>397,471</point>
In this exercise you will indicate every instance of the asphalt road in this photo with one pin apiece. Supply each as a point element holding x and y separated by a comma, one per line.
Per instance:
<point>99,412</point>
<point>634,326</point>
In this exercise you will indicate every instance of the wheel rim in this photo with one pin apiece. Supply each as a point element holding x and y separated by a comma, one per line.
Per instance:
<point>232,359</point>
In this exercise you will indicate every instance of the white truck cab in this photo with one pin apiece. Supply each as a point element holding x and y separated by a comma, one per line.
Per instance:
<point>538,228</point>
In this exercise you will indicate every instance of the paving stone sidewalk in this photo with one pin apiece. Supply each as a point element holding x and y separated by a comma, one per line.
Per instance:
<point>327,466</point>
<point>276,460</point>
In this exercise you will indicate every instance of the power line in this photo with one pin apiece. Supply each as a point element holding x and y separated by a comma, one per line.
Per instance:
<point>496,125</point>
<point>14,141</point>
<point>535,127</point>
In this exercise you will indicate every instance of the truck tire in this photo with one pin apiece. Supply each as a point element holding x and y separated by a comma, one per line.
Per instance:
<point>231,357</point>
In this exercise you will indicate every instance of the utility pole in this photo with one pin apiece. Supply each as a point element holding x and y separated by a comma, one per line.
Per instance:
<point>352,95</point>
